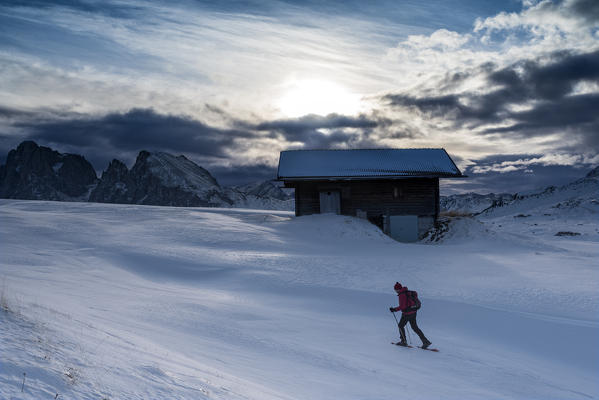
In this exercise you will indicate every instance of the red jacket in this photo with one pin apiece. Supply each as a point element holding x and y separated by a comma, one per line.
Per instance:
<point>404,302</point>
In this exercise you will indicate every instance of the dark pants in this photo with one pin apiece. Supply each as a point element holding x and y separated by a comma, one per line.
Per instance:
<point>411,318</point>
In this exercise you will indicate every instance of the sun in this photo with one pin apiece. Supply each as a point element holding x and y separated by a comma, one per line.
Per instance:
<point>321,97</point>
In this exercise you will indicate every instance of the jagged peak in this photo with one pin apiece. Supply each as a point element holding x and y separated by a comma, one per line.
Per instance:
<point>143,155</point>
<point>116,165</point>
<point>27,145</point>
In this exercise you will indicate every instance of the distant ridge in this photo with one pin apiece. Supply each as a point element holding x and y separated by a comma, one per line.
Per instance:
<point>582,193</point>
<point>35,172</point>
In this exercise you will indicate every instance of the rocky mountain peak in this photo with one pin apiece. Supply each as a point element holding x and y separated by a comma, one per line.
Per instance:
<point>160,179</point>
<point>28,146</point>
<point>116,167</point>
<point>142,156</point>
<point>264,189</point>
<point>40,173</point>
<point>156,178</point>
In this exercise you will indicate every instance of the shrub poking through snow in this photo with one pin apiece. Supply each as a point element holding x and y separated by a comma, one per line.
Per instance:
<point>567,233</point>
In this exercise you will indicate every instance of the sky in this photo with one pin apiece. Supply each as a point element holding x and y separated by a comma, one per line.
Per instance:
<point>509,88</point>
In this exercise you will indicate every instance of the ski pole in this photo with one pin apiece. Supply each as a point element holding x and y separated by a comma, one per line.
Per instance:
<point>397,324</point>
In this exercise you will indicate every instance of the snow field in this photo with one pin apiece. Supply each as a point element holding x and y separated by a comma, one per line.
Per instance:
<point>138,302</point>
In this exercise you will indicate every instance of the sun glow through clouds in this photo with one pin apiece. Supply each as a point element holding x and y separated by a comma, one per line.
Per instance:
<point>317,97</point>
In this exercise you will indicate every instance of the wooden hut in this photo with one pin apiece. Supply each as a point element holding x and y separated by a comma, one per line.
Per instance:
<point>397,189</point>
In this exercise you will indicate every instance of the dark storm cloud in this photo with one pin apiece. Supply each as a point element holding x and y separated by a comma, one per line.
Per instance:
<point>296,126</point>
<point>101,138</point>
<point>308,129</point>
<point>436,106</point>
<point>236,175</point>
<point>548,87</point>
<point>137,129</point>
<point>588,10</point>
<point>122,135</point>
<point>7,113</point>
<point>580,110</point>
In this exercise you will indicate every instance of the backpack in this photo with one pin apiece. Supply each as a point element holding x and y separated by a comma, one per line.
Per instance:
<point>413,300</point>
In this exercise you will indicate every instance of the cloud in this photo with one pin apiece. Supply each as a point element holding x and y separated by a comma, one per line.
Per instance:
<point>100,138</point>
<point>585,9</point>
<point>9,113</point>
<point>175,57</point>
<point>544,18</point>
<point>522,82</point>
<point>117,10</point>
<point>323,132</point>
<point>235,175</point>
<point>106,79</point>
<point>527,98</point>
<point>245,146</point>
<point>512,173</point>
<point>135,129</point>
<point>524,164</point>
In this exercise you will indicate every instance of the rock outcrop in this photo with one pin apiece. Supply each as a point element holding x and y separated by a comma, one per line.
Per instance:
<point>35,172</point>
<point>160,179</point>
<point>39,173</point>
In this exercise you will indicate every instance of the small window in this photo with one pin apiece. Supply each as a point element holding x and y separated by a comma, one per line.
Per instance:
<point>396,192</point>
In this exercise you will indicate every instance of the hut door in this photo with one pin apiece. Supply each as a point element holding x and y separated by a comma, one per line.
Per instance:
<point>330,202</point>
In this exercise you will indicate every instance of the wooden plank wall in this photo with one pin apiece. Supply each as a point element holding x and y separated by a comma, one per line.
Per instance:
<point>416,196</point>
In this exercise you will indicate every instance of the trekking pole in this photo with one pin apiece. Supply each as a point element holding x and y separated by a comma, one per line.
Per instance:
<point>400,337</point>
<point>397,324</point>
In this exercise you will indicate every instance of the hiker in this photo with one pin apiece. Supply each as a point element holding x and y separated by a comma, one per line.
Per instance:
<point>408,309</point>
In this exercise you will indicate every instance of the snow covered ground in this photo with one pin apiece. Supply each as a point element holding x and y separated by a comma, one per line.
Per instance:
<point>105,301</point>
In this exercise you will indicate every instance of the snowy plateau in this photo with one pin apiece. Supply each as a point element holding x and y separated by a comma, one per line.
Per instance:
<point>113,301</point>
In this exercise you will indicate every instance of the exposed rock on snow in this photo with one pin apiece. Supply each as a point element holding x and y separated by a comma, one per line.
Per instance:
<point>472,203</point>
<point>458,229</point>
<point>265,189</point>
<point>261,195</point>
<point>567,233</point>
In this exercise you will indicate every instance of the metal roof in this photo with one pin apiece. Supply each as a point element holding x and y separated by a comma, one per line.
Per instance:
<point>365,164</point>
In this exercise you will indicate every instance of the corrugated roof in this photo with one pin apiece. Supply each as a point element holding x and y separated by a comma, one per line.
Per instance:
<point>365,163</point>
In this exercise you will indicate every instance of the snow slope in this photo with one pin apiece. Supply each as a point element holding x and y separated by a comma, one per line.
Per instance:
<point>472,203</point>
<point>139,302</point>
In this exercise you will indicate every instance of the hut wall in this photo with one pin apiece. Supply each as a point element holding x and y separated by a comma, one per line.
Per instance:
<point>410,196</point>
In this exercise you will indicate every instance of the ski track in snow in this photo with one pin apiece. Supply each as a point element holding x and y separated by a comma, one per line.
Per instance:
<point>141,302</point>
